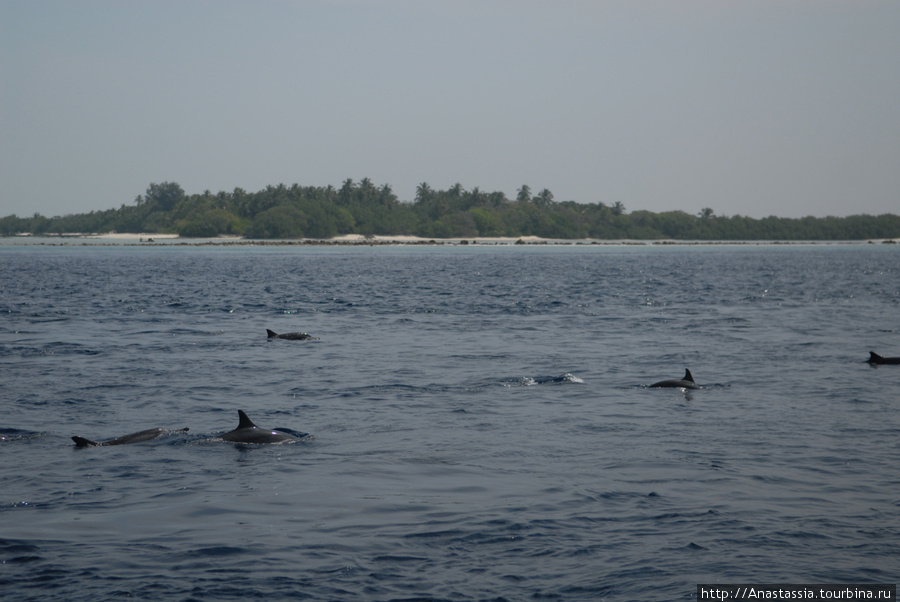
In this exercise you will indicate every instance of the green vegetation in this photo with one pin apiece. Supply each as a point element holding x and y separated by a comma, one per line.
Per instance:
<point>364,208</point>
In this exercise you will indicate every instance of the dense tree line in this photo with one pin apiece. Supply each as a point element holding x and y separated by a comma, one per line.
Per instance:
<point>364,208</point>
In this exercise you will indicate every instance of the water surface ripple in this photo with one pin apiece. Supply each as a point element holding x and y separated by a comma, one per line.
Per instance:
<point>482,423</point>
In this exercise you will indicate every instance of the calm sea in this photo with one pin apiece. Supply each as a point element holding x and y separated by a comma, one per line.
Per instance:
<point>482,426</point>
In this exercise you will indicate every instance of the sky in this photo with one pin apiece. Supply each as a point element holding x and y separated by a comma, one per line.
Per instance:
<point>748,107</point>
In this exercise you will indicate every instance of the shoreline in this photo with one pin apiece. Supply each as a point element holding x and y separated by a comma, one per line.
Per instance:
<point>127,239</point>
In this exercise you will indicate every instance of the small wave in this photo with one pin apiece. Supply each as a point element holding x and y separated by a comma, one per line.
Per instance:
<point>216,552</point>
<point>18,551</point>
<point>530,381</point>
<point>397,558</point>
<point>380,391</point>
<point>11,434</point>
<point>49,349</point>
<point>293,433</point>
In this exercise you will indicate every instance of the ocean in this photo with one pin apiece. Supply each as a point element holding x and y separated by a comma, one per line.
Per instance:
<point>480,417</point>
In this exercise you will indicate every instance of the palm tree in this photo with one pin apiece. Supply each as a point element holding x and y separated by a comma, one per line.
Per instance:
<point>475,197</point>
<point>165,195</point>
<point>345,196</point>
<point>367,191</point>
<point>386,196</point>
<point>424,193</point>
<point>544,198</point>
<point>524,193</point>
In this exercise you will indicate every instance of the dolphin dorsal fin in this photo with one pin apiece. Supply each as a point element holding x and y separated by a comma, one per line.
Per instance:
<point>874,356</point>
<point>272,334</point>
<point>82,442</point>
<point>688,376</point>
<point>245,422</point>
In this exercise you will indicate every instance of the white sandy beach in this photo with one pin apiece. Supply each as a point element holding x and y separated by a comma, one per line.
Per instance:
<point>126,238</point>
<point>359,238</point>
<point>344,239</point>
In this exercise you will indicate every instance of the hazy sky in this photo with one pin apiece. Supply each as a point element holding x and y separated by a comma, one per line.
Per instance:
<point>762,107</point>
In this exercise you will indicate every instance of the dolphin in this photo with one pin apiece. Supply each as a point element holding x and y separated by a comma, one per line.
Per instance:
<point>138,437</point>
<point>247,432</point>
<point>874,358</point>
<point>685,383</point>
<point>291,336</point>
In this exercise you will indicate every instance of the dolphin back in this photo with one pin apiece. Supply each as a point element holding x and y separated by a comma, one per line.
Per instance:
<point>140,436</point>
<point>82,442</point>
<point>247,432</point>
<point>874,358</point>
<point>685,383</point>
<point>291,336</point>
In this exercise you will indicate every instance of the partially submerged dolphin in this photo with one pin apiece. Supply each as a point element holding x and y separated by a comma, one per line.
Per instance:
<point>247,432</point>
<point>874,358</point>
<point>138,437</point>
<point>685,383</point>
<point>291,336</point>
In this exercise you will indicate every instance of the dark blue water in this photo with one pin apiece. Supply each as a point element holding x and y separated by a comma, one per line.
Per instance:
<point>482,425</point>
